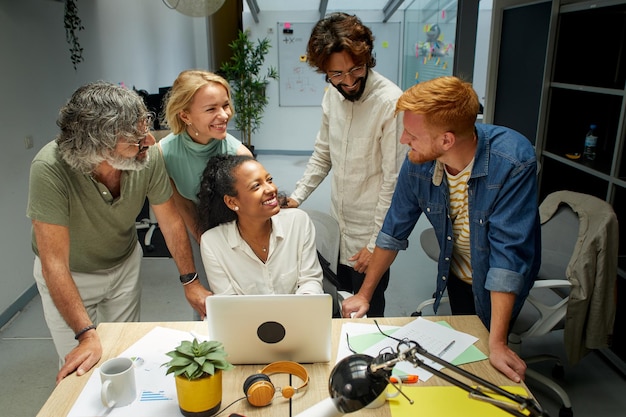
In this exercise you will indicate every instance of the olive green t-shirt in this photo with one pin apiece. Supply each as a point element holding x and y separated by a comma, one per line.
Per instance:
<point>102,229</point>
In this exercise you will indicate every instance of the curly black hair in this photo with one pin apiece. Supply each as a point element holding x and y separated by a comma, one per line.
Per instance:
<point>218,180</point>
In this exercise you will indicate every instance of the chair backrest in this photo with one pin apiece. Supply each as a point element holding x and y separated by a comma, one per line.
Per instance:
<point>558,240</point>
<point>550,293</point>
<point>327,243</point>
<point>326,236</point>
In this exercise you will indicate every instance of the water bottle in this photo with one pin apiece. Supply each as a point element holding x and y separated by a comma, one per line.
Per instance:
<point>591,140</point>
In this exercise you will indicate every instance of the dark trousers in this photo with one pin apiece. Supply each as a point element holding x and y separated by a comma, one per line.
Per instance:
<point>351,281</point>
<point>461,296</point>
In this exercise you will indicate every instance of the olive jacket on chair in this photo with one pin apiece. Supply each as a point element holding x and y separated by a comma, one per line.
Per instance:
<point>592,271</point>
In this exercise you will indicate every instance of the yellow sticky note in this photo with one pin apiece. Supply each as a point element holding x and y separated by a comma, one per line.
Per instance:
<point>385,44</point>
<point>302,58</point>
<point>445,401</point>
<point>417,75</point>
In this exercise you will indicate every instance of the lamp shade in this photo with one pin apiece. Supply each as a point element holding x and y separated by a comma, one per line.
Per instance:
<point>195,8</point>
<point>352,385</point>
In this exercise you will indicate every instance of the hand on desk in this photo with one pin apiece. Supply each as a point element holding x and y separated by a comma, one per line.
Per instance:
<point>83,357</point>
<point>196,295</point>
<point>506,361</point>
<point>354,307</point>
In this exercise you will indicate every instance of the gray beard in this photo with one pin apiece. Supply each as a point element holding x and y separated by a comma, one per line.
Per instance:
<point>127,164</point>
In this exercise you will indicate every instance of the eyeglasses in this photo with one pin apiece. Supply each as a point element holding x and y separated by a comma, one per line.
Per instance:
<point>356,72</point>
<point>147,121</point>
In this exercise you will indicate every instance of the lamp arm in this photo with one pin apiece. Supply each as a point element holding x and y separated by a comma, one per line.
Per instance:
<point>478,393</point>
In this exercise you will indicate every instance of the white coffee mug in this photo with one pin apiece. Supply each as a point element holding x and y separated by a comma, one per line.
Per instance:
<point>389,392</point>
<point>118,382</point>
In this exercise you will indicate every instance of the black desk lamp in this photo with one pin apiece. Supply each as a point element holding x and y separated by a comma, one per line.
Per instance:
<point>359,379</point>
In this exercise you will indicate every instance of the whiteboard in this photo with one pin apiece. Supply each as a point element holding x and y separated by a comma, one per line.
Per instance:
<point>300,85</point>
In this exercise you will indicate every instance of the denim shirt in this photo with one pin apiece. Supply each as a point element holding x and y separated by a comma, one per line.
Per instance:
<point>505,235</point>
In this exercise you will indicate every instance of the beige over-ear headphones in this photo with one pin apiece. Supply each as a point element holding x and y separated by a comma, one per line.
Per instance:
<point>259,389</point>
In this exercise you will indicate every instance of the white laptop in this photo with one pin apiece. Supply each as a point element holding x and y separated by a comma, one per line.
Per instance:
<point>260,329</point>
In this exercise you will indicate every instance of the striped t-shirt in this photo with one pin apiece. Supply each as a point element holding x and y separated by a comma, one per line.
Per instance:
<point>459,214</point>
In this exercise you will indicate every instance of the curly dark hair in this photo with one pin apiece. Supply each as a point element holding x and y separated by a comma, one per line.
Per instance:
<point>340,32</point>
<point>218,180</point>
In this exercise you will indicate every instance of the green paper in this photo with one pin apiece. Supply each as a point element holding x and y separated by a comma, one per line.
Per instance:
<point>362,342</point>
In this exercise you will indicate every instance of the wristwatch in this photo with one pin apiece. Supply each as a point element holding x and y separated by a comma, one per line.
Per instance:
<point>188,278</point>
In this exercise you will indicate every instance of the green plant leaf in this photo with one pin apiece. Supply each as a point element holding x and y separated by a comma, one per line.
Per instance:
<point>195,360</point>
<point>248,86</point>
<point>208,368</point>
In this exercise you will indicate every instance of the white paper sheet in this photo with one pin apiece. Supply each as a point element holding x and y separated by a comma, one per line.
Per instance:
<point>156,392</point>
<point>436,339</point>
<point>356,329</point>
<point>430,335</point>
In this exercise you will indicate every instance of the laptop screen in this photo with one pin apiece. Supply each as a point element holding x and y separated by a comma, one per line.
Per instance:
<point>259,329</point>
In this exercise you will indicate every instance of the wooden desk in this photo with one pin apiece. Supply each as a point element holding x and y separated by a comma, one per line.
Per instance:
<point>117,337</point>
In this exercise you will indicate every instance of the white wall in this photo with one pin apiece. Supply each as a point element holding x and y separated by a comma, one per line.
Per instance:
<point>139,42</point>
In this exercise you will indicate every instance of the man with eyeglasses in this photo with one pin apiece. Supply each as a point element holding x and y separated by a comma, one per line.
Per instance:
<point>359,140</point>
<point>86,189</point>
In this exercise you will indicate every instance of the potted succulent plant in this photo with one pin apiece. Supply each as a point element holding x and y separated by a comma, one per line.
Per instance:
<point>197,367</point>
<point>243,72</point>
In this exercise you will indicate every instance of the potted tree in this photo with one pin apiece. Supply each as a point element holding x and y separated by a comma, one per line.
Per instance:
<point>243,71</point>
<point>197,368</point>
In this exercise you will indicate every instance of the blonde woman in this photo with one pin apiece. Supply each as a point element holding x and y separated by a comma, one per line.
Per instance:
<point>198,108</point>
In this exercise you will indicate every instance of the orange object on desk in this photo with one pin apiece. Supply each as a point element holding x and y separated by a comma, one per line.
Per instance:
<point>406,379</point>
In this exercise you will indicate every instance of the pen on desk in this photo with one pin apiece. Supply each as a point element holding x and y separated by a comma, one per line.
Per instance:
<point>446,349</point>
<point>406,379</point>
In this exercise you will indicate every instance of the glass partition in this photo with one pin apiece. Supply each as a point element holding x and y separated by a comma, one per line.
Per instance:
<point>429,39</point>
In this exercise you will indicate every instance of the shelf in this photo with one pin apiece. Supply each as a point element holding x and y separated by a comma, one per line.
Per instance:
<point>589,42</point>
<point>588,88</point>
<point>561,174</point>
<point>580,164</point>
<point>571,112</point>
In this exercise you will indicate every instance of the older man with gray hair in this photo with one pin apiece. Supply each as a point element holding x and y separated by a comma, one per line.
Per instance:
<point>86,189</point>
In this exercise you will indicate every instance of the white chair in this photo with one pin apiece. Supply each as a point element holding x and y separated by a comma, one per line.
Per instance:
<point>327,238</point>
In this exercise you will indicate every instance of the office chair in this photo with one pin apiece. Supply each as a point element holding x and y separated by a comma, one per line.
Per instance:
<point>547,303</point>
<point>327,238</point>
<point>149,223</point>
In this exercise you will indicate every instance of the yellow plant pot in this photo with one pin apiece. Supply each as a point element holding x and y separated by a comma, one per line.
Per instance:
<point>199,397</point>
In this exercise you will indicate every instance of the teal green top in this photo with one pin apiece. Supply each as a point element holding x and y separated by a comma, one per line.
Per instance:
<point>102,228</point>
<point>185,160</point>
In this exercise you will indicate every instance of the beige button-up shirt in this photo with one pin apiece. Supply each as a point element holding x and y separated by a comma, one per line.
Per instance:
<point>360,141</point>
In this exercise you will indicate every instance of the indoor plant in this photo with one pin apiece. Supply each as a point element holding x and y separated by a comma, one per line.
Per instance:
<point>73,24</point>
<point>197,367</point>
<point>243,71</point>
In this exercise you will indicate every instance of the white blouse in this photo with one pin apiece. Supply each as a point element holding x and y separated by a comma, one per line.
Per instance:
<point>292,266</point>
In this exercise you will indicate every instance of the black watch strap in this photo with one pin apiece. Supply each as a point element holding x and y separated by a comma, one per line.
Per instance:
<point>188,278</point>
